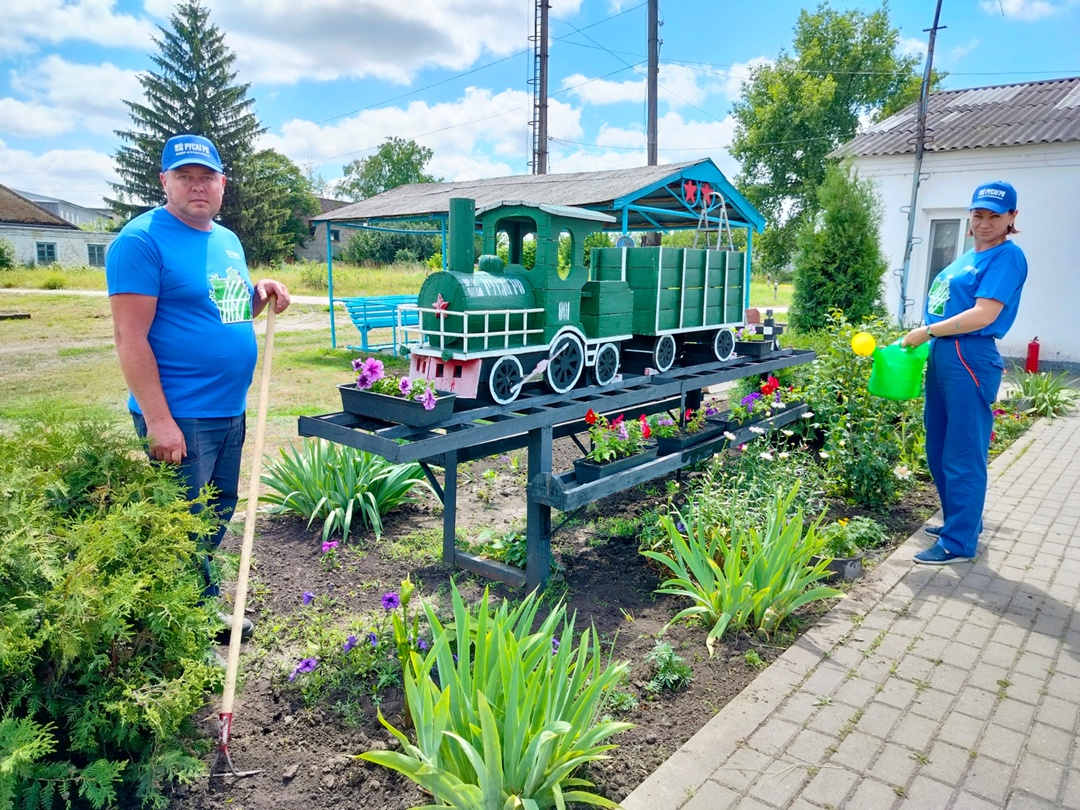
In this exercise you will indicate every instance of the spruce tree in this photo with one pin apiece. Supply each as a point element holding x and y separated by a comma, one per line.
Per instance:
<point>838,260</point>
<point>194,90</point>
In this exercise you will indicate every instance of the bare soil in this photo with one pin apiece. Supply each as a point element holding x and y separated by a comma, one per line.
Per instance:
<point>305,758</point>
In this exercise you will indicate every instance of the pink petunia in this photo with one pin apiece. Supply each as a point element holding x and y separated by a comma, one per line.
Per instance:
<point>374,368</point>
<point>404,386</point>
<point>427,399</point>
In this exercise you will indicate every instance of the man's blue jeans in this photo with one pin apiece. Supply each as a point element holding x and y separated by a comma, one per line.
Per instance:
<point>214,449</point>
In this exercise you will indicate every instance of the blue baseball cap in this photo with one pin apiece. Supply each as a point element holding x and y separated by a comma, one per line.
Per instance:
<point>997,196</point>
<point>181,150</point>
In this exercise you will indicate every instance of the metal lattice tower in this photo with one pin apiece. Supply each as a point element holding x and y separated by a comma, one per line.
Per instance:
<point>539,83</point>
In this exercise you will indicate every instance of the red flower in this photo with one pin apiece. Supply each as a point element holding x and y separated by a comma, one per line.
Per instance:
<point>689,413</point>
<point>590,417</point>
<point>646,431</point>
<point>770,385</point>
<point>617,421</point>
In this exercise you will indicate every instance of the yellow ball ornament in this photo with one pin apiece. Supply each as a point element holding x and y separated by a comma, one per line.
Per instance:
<point>863,344</point>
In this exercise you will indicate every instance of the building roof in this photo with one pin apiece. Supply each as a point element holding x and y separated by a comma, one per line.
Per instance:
<point>15,209</point>
<point>650,197</point>
<point>1002,115</point>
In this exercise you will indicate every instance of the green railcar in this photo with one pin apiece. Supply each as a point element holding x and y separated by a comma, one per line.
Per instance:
<point>487,330</point>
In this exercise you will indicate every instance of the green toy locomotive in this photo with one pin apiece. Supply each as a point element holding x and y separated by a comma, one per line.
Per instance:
<point>488,330</point>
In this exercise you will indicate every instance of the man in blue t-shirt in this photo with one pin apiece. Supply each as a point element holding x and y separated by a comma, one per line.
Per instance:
<point>182,305</point>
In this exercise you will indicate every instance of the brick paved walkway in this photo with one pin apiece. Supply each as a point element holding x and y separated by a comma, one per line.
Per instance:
<point>931,687</point>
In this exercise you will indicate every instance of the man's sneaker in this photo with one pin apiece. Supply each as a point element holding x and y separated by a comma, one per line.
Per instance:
<point>933,531</point>
<point>937,554</point>
<point>222,636</point>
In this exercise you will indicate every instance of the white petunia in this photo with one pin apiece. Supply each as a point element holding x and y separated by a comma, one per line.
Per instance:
<point>808,415</point>
<point>785,454</point>
<point>767,456</point>
<point>788,432</point>
<point>757,430</point>
<point>729,435</point>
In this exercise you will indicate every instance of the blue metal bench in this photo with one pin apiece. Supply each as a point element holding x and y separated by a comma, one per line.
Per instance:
<point>391,312</point>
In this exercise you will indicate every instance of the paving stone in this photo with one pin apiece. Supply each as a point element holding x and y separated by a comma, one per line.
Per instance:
<point>976,702</point>
<point>1014,714</point>
<point>915,732</point>
<point>879,719</point>
<point>969,801</point>
<point>778,785</point>
<point>857,751</point>
<point>712,796</point>
<point>873,794</point>
<point>989,677</point>
<point>1001,743</point>
<point>1071,796</point>
<point>1022,800</point>
<point>1033,664</point>
<point>946,762</point>
<point>1049,742</point>
<point>932,703</point>
<point>961,730</point>
<point>898,693</point>
<point>895,764</point>
<point>773,736</point>
<point>928,794</point>
<point>1057,712</point>
<point>810,747</point>
<point>741,769</point>
<point>989,779</point>
<point>961,655</point>
<point>1039,776</point>
<point>1026,688</point>
<point>949,679</point>
<point>829,786</point>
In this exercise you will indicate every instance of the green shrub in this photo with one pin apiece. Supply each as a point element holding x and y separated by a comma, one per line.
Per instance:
<point>1049,395</point>
<point>7,255</point>
<point>54,281</point>
<point>871,445</point>
<point>754,580</point>
<point>102,638</point>
<point>338,484</point>
<point>848,536</point>
<point>669,671</point>
<point>514,711</point>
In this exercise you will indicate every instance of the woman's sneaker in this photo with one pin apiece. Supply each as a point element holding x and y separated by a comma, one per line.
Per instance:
<point>937,554</point>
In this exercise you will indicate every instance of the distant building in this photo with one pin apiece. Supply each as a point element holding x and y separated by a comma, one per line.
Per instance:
<point>77,215</point>
<point>42,237</point>
<point>315,249</point>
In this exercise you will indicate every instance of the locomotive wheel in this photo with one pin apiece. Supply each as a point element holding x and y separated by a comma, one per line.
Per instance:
<point>664,353</point>
<point>723,344</point>
<point>504,381</point>
<point>566,361</point>
<point>607,364</point>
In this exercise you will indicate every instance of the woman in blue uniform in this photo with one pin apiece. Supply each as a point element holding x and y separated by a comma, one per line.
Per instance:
<point>971,304</point>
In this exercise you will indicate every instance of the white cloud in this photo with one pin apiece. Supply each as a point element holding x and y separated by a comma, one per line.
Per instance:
<point>677,85</point>
<point>29,119</point>
<point>1025,10</point>
<point>88,96</point>
<point>912,46</point>
<point>960,51</point>
<point>602,91</point>
<point>53,21</point>
<point>479,132</point>
<point>76,175</point>
<point>276,41</point>
<point>740,72</point>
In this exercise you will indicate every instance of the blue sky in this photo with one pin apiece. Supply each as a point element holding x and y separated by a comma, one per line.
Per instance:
<point>332,79</point>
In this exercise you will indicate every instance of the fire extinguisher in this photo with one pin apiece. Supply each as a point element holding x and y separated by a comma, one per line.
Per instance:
<point>1032,364</point>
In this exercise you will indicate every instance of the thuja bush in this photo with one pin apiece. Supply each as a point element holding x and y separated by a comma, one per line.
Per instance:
<point>870,445</point>
<point>102,638</point>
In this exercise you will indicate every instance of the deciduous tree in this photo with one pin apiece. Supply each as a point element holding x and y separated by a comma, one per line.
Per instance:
<point>397,162</point>
<point>845,70</point>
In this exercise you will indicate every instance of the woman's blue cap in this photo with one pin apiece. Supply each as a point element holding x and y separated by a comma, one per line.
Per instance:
<point>997,196</point>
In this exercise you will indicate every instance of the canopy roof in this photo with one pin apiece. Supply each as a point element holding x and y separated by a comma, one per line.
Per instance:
<point>645,198</point>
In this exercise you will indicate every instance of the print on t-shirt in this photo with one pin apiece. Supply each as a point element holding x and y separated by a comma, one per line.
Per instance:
<point>231,296</point>
<point>939,296</point>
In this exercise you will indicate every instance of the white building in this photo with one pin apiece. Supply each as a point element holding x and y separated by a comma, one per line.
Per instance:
<point>1027,134</point>
<point>41,237</point>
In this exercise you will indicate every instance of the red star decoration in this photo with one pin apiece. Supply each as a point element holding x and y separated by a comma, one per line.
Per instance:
<point>441,305</point>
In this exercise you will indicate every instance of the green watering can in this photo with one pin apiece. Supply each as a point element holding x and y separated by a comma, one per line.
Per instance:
<point>898,371</point>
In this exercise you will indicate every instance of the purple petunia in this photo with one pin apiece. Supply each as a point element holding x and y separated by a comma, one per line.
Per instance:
<point>371,637</point>
<point>665,421</point>
<point>554,644</point>
<point>374,368</point>
<point>391,601</point>
<point>427,399</point>
<point>307,665</point>
<point>329,545</point>
<point>404,386</point>
<point>308,597</point>
<point>350,642</point>
<point>624,434</point>
<point>421,645</point>
<point>749,400</point>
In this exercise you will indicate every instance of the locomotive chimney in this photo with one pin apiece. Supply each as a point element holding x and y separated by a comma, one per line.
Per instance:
<point>462,227</point>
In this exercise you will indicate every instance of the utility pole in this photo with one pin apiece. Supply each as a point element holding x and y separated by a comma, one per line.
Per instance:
<point>920,146</point>
<point>654,69</point>
<point>539,82</point>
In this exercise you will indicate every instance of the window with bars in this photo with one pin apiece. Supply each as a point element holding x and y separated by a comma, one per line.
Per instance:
<point>46,252</point>
<point>96,255</point>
